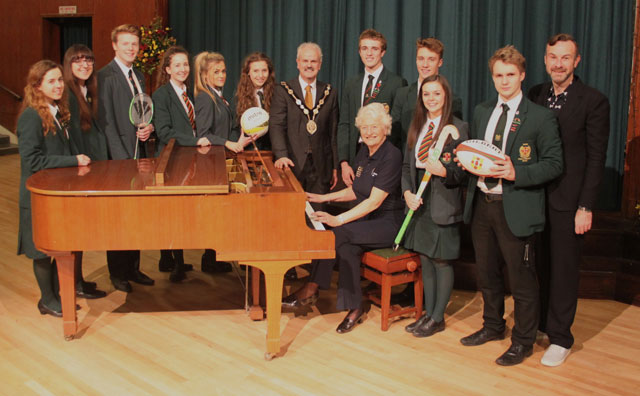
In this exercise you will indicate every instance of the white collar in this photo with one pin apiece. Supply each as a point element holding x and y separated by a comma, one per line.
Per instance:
<point>375,74</point>
<point>513,103</point>
<point>303,84</point>
<point>122,66</point>
<point>179,90</point>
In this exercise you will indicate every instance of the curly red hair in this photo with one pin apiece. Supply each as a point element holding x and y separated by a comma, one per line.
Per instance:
<point>34,98</point>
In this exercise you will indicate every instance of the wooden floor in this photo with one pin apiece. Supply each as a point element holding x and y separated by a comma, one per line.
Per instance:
<point>195,338</point>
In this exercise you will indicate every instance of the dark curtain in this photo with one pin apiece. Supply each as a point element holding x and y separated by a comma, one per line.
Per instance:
<point>471,31</point>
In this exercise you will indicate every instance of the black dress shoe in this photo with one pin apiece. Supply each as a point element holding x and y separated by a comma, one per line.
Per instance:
<point>141,278</point>
<point>404,298</point>
<point>412,326</point>
<point>121,284</point>
<point>90,294</point>
<point>348,324</point>
<point>44,310</point>
<point>292,301</point>
<point>89,285</point>
<point>515,355</point>
<point>428,328</point>
<point>481,336</point>
<point>291,274</point>
<point>215,267</point>
<point>166,263</point>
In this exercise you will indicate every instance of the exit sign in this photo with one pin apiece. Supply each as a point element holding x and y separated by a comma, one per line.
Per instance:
<point>67,10</point>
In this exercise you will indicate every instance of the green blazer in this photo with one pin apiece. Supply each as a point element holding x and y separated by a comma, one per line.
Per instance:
<point>214,119</point>
<point>38,152</point>
<point>92,142</point>
<point>350,104</point>
<point>404,105</point>
<point>170,119</point>
<point>536,153</point>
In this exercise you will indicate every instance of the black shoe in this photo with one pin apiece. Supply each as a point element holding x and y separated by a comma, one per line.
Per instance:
<point>89,285</point>
<point>166,263</point>
<point>291,301</point>
<point>428,328</point>
<point>412,326</point>
<point>44,310</point>
<point>187,267</point>
<point>515,355</point>
<point>404,298</point>
<point>348,324</point>
<point>481,336</point>
<point>121,284</point>
<point>291,274</point>
<point>215,267</point>
<point>89,294</point>
<point>177,274</point>
<point>141,278</point>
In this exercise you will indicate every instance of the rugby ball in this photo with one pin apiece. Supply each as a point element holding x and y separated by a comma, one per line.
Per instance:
<point>478,156</point>
<point>255,121</point>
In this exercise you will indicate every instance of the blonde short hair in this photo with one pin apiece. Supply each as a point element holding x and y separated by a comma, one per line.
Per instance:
<point>376,112</point>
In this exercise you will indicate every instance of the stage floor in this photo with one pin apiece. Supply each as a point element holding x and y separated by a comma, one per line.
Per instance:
<point>195,338</point>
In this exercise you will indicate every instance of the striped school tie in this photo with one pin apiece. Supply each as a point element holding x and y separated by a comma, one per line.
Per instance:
<point>423,151</point>
<point>190,113</point>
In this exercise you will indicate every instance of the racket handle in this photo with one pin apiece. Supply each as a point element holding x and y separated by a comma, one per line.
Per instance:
<point>403,229</point>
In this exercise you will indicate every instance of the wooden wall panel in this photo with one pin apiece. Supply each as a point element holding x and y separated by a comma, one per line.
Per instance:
<point>24,34</point>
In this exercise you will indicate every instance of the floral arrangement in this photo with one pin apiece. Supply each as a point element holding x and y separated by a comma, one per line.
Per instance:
<point>154,40</point>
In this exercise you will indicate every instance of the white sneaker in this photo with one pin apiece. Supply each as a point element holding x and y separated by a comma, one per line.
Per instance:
<point>555,355</point>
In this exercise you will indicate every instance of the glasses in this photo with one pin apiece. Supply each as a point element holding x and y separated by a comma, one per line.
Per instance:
<point>87,60</point>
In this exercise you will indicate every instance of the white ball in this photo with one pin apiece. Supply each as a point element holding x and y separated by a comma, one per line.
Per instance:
<point>477,156</point>
<point>255,121</point>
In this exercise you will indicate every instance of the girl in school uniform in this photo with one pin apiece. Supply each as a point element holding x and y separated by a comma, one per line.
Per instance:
<point>434,231</point>
<point>43,142</point>
<point>255,89</point>
<point>81,84</point>
<point>174,118</point>
<point>214,120</point>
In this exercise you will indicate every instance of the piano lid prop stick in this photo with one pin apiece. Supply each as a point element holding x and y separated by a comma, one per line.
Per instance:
<point>434,155</point>
<point>263,164</point>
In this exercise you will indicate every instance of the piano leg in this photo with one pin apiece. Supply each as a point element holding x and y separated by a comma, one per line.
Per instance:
<point>66,274</point>
<point>274,278</point>
<point>255,312</point>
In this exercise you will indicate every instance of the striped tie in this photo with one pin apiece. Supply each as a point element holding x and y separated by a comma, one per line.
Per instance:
<point>187,102</point>
<point>423,151</point>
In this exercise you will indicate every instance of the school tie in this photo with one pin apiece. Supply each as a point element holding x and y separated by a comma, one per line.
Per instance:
<point>498,133</point>
<point>59,118</point>
<point>261,99</point>
<point>367,91</point>
<point>423,151</point>
<point>133,83</point>
<point>308,97</point>
<point>190,113</point>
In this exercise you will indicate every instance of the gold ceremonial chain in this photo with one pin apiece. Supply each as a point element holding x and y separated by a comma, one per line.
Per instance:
<point>312,127</point>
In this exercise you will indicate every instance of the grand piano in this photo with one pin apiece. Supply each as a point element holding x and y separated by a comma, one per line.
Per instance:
<point>187,198</point>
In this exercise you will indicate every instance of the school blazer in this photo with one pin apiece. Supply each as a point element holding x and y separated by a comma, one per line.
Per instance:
<point>113,116</point>
<point>214,119</point>
<point>170,119</point>
<point>446,192</point>
<point>93,142</point>
<point>536,152</point>
<point>351,102</point>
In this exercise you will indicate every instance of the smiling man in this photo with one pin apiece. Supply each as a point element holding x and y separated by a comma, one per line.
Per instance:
<point>583,115</point>
<point>506,210</point>
<point>376,84</point>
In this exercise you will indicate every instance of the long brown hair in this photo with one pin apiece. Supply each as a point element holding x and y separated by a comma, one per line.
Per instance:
<point>246,92</point>
<point>88,110</point>
<point>421,113</point>
<point>202,63</point>
<point>162,76</point>
<point>34,98</point>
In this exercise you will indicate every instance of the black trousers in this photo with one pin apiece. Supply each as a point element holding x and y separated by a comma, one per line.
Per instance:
<point>310,179</point>
<point>491,238</point>
<point>352,240</point>
<point>123,263</point>
<point>559,274</point>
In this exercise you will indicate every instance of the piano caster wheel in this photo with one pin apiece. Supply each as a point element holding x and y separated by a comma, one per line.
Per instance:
<point>268,356</point>
<point>68,337</point>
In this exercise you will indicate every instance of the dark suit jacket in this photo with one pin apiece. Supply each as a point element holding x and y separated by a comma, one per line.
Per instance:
<point>351,102</point>
<point>446,192</point>
<point>38,152</point>
<point>584,130</point>
<point>404,105</point>
<point>214,119</point>
<point>536,153</point>
<point>170,119</point>
<point>92,142</point>
<point>288,130</point>
<point>113,116</point>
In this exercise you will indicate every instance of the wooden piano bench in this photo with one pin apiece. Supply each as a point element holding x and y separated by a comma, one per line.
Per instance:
<point>387,268</point>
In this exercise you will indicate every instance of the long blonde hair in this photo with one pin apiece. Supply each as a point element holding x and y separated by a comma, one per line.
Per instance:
<point>202,62</point>
<point>33,96</point>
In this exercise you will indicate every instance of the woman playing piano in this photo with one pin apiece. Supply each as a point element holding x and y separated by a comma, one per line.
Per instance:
<point>174,118</point>
<point>372,223</point>
<point>44,142</point>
